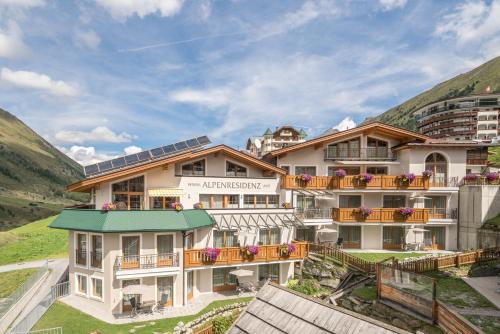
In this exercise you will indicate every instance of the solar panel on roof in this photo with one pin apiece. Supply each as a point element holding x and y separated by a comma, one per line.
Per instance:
<point>143,156</point>
<point>156,152</point>
<point>181,145</point>
<point>192,142</point>
<point>118,162</point>
<point>203,140</point>
<point>92,169</point>
<point>105,165</point>
<point>169,149</point>
<point>130,159</point>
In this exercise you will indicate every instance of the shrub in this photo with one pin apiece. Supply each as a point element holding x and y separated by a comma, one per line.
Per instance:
<point>308,287</point>
<point>222,323</point>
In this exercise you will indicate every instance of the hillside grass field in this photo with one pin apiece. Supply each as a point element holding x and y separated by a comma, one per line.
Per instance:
<point>76,322</point>
<point>11,280</point>
<point>34,241</point>
<point>18,211</point>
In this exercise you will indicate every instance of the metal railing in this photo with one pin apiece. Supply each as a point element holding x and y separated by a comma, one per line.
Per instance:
<point>81,256</point>
<point>55,330</point>
<point>26,324</point>
<point>356,154</point>
<point>314,213</point>
<point>443,182</point>
<point>149,261</point>
<point>437,213</point>
<point>7,303</point>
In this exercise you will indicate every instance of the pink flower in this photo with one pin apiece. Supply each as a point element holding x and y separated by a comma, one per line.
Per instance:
<point>211,253</point>
<point>406,211</point>
<point>306,177</point>
<point>365,211</point>
<point>365,177</point>
<point>427,173</point>
<point>340,173</point>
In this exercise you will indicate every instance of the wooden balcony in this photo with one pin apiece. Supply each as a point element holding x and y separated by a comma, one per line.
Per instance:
<point>378,182</point>
<point>233,255</point>
<point>380,215</point>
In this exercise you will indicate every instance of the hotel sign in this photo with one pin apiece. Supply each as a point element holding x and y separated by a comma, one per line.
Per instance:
<point>229,185</point>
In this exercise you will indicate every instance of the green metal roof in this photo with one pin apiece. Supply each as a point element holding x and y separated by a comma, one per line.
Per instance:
<point>131,221</point>
<point>268,132</point>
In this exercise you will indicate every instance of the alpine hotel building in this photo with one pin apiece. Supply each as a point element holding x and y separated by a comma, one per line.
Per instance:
<point>375,187</point>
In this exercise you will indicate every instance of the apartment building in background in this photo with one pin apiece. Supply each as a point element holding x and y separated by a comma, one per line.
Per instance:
<point>377,186</point>
<point>474,117</point>
<point>273,140</point>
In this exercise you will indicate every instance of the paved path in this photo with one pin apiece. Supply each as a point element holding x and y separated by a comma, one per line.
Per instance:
<point>487,286</point>
<point>24,265</point>
<point>57,268</point>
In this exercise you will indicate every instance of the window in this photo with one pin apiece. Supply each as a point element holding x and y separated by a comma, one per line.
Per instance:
<point>225,239</point>
<point>81,284</point>
<point>349,170</point>
<point>305,202</point>
<point>97,288</point>
<point>436,206</point>
<point>393,237</point>
<point>377,148</point>
<point>129,194</point>
<point>222,280</point>
<point>131,246</point>
<point>214,201</point>
<point>269,271</point>
<point>394,201</point>
<point>311,170</point>
<point>351,236</point>
<point>377,170</point>
<point>96,251</point>
<point>437,163</point>
<point>270,236</point>
<point>346,149</point>
<point>162,202</point>
<point>196,168</point>
<point>305,234</point>
<point>126,301</point>
<point>286,168</point>
<point>349,201</point>
<point>165,244</point>
<point>261,201</point>
<point>81,249</point>
<point>235,170</point>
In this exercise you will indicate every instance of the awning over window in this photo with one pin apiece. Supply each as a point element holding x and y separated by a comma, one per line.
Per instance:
<point>323,193</point>
<point>253,221</point>
<point>165,192</point>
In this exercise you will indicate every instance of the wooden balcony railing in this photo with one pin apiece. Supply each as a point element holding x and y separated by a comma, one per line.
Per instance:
<point>380,215</point>
<point>233,255</point>
<point>378,182</point>
<point>149,261</point>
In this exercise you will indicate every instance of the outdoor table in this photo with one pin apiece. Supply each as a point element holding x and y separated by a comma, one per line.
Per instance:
<point>147,306</point>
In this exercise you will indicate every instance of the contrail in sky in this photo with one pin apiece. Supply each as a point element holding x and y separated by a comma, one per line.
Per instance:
<point>194,39</point>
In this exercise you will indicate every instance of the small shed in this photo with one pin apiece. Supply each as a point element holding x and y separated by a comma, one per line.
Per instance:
<point>277,309</point>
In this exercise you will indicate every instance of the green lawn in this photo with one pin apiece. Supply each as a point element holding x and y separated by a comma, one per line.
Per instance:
<point>489,325</point>
<point>377,257</point>
<point>451,289</point>
<point>33,241</point>
<point>11,280</point>
<point>366,293</point>
<point>76,322</point>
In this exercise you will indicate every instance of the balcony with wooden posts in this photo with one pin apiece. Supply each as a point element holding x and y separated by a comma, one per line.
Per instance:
<point>237,256</point>
<point>378,182</point>
<point>132,266</point>
<point>380,215</point>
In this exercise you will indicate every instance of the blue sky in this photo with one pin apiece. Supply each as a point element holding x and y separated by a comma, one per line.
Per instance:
<point>98,78</point>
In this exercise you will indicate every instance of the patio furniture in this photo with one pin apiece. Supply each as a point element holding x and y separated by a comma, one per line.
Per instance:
<point>134,305</point>
<point>146,307</point>
<point>246,287</point>
<point>160,305</point>
<point>339,243</point>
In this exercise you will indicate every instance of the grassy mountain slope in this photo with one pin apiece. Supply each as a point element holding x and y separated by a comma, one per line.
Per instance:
<point>33,174</point>
<point>472,82</point>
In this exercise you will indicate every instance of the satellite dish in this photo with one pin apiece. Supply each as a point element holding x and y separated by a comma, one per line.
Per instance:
<point>258,144</point>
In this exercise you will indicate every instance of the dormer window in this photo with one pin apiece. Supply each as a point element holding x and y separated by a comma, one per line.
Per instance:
<point>233,169</point>
<point>194,168</point>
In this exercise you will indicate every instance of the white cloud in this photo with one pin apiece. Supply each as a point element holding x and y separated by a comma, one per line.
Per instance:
<point>392,4</point>
<point>205,9</point>
<point>211,98</point>
<point>471,22</point>
<point>132,149</point>
<point>85,155</point>
<point>11,42</point>
<point>345,124</point>
<point>27,79</point>
<point>88,39</point>
<point>166,67</point>
<point>122,9</point>
<point>22,3</point>
<point>99,134</point>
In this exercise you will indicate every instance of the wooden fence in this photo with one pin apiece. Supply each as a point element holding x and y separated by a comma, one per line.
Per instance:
<point>204,329</point>
<point>452,322</point>
<point>342,257</point>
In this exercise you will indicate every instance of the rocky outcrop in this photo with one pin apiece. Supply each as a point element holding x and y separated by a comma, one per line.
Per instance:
<point>327,274</point>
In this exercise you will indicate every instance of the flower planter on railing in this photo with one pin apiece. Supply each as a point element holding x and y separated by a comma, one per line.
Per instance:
<point>210,254</point>
<point>380,215</point>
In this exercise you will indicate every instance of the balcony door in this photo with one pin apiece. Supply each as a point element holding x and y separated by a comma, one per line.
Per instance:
<point>126,300</point>
<point>393,237</point>
<point>377,148</point>
<point>165,249</point>
<point>81,249</point>
<point>270,236</point>
<point>96,251</point>
<point>435,238</point>
<point>394,201</point>
<point>269,271</point>
<point>349,201</point>
<point>131,246</point>
<point>165,290</point>
<point>351,236</point>
<point>438,164</point>
<point>224,239</point>
<point>436,206</point>
<point>222,280</point>
<point>190,283</point>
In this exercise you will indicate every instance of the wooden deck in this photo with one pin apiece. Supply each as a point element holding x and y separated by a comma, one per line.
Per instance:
<point>380,215</point>
<point>233,255</point>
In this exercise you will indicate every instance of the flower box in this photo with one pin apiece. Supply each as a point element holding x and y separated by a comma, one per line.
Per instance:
<point>305,177</point>
<point>210,254</point>
<point>364,178</point>
<point>406,212</point>
<point>108,207</point>
<point>177,206</point>
<point>407,178</point>
<point>427,173</point>
<point>285,250</point>
<point>248,252</point>
<point>363,211</point>
<point>340,173</point>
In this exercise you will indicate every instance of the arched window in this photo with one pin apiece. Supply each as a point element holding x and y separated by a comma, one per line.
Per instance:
<point>437,163</point>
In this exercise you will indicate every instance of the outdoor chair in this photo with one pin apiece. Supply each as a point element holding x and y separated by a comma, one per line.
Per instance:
<point>246,287</point>
<point>160,305</point>
<point>339,243</point>
<point>133,303</point>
